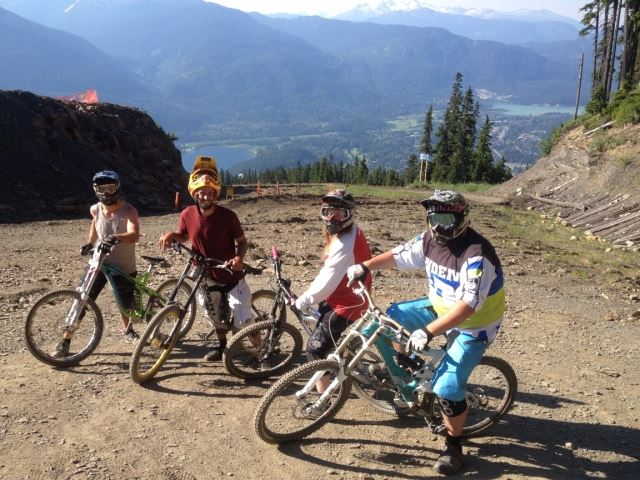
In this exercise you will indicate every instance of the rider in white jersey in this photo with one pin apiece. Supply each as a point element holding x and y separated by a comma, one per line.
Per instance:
<point>466,301</point>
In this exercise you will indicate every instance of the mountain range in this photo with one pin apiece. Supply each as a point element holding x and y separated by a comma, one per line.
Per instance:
<point>214,75</point>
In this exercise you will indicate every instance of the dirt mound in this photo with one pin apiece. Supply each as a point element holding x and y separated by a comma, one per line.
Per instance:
<point>590,179</point>
<point>49,151</point>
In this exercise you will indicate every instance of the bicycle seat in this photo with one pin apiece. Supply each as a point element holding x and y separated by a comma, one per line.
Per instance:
<point>153,260</point>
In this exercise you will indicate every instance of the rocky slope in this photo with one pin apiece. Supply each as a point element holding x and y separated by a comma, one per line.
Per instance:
<point>590,179</point>
<point>49,151</point>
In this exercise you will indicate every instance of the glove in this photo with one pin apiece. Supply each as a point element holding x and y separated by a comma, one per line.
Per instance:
<point>303,304</point>
<point>356,272</point>
<point>107,244</point>
<point>420,339</point>
<point>86,249</point>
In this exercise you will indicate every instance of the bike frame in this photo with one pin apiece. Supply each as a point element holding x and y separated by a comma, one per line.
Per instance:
<point>375,329</point>
<point>285,296</point>
<point>96,265</point>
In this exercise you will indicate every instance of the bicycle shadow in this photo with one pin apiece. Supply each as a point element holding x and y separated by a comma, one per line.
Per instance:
<point>517,446</point>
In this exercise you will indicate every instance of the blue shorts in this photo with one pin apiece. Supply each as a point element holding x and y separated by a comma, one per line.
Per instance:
<point>464,351</point>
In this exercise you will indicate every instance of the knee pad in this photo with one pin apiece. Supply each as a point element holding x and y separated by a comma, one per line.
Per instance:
<point>452,408</point>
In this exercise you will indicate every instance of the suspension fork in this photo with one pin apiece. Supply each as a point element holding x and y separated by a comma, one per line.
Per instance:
<point>75,314</point>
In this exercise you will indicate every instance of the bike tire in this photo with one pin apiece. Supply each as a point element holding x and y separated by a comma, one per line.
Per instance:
<point>378,390</point>
<point>491,390</point>
<point>262,302</point>
<point>280,405</point>
<point>165,290</point>
<point>154,345</point>
<point>245,358</point>
<point>45,323</point>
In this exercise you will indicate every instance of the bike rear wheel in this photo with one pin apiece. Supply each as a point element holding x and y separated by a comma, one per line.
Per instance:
<point>166,288</point>
<point>286,414</point>
<point>45,326</point>
<point>262,349</point>
<point>491,390</point>
<point>155,344</point>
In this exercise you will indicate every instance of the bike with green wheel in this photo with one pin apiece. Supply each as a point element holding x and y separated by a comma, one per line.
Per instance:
<point>71,314</point>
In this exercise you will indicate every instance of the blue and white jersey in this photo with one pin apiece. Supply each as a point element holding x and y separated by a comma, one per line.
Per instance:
<point>466,269</point>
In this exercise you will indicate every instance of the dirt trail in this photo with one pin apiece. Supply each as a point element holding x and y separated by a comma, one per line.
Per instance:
<point>573,340</point>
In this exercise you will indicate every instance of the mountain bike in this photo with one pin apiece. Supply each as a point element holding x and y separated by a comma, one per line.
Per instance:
<point>293,408</point>
<point>71,312</point>
<point>269,346</point>
<point>175,319</point>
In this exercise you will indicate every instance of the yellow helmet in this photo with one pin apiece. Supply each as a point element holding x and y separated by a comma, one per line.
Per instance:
<point>204,174</point>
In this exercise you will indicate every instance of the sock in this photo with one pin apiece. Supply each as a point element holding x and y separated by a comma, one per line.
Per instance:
<point>455,442</point>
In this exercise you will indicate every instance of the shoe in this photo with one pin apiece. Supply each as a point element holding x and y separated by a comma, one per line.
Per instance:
<point>266,365</point>
<point>62,349</point>
<point>379,371</point>
<point>131,336</point>
<point>449,462</point>
<point>214,354</point>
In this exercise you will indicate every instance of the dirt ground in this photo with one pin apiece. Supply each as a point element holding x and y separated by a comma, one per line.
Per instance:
<point>573,340</point>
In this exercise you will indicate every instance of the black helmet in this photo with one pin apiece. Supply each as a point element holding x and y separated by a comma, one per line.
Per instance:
<point>106,184</point>
<point>447,215</point>
<point>337,210</point>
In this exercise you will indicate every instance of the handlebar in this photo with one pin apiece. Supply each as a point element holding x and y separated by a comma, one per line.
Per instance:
<point>211,262</point>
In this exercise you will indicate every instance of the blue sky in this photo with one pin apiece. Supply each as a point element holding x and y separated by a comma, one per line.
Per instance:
<point>569,8</point>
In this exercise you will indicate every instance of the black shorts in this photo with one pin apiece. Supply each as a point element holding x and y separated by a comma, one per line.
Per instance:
<point>325,337</point>
<point>124,288</point>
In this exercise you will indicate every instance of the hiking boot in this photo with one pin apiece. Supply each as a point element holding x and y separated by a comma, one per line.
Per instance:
<point>379,371</point>
<point>450,461</point>
<point>62,349</point>
<point>131,336</point>
<point>213,355</point>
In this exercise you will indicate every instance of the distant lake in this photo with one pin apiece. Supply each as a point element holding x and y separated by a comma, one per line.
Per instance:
<point>517,109</point>
<point>226,156</point>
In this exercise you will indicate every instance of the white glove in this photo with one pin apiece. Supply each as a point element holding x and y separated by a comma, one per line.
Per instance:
<point>303,304</point>
<point>419,339</point>
<point>356,272</point>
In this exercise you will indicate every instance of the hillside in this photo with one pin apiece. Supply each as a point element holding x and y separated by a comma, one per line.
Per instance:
<point>590,180</point>
<point>49,151</point>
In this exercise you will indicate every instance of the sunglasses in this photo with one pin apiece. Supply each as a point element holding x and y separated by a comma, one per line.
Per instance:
<point>442,219</point>
<point>106,189</point>
<point>337,213</point>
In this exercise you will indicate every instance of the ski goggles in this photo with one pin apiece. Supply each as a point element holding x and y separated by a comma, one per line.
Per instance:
<point>334,213</point>
<point>445,220</point>
<point>106,188</point>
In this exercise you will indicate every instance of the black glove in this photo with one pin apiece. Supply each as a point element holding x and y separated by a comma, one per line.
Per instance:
<point>107,244</point>
<point>86,249</point>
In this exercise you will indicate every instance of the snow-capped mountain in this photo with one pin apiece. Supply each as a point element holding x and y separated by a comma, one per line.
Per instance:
<point>375,9</point>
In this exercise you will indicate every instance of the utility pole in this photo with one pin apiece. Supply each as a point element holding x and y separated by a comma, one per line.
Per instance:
<point>575,115</point>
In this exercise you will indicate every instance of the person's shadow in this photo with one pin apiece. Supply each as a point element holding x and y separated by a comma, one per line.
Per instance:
<point>519,446</point>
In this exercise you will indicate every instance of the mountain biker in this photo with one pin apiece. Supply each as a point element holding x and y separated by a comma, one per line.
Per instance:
<point>113,221</point>
<point>345,244</point>
<point>466,298</point>
<point>215,231</point>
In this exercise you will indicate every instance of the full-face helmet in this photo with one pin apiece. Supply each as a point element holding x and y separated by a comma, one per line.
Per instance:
<point>447,215</point>
<point>204,174</point>
<point>106,184</point>
<point>337,210</point>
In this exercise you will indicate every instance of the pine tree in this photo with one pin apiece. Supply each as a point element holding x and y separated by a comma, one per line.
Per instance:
<point>449,136</point>
<point>482,170</point>
<point>411,170</point>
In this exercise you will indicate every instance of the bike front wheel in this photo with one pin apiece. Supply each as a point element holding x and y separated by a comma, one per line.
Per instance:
<point>262,349</point>
<point>46,324</point>
<point>265,307</point>
<point>166,288</point>
<point>155,344</point>
<point>286,413</point>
